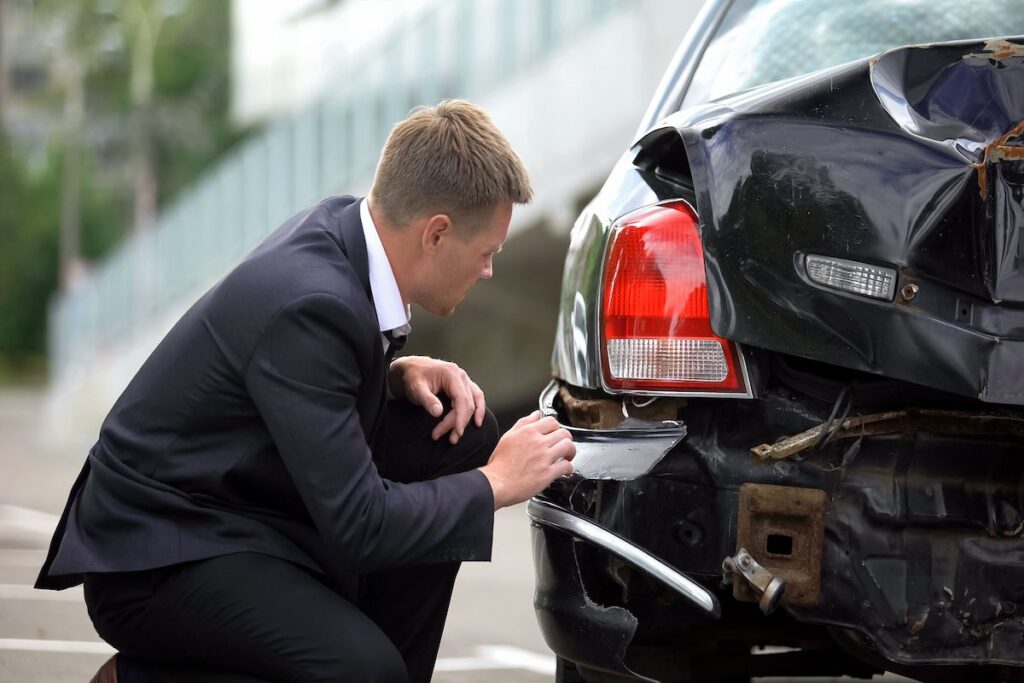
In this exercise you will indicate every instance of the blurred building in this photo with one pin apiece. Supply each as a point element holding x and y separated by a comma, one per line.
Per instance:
<point>28,65</point>
<point>566,80</point>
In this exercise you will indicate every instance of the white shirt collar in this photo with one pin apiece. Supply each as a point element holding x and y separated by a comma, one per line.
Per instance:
<point>392,314</point>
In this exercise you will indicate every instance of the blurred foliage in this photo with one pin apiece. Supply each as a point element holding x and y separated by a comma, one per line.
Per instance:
<point>28,262</point>
<point>193,94</point>
<point>190,130</point>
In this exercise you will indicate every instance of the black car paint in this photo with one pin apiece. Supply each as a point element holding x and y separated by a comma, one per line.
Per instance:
<point>886,161</point>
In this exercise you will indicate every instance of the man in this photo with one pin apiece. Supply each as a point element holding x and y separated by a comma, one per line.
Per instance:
<point>257,507</point>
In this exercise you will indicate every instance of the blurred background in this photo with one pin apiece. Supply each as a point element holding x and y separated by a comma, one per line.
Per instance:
<point>147,145</point>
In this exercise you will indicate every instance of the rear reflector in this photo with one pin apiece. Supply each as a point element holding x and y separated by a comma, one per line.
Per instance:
<point>695,360</point>
<point>852,276</point>
<point>655,315</point>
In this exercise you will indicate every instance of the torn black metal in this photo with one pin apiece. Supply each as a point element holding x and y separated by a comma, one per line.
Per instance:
<point>573,624</point>
<point>629,449</point>
<point>918,555</point>
<point>549,515</point>
<point>910,160</point>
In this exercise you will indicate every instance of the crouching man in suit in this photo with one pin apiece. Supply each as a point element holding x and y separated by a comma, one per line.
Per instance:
<point>272,498</point>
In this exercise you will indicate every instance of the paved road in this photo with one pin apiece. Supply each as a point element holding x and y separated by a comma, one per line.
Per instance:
<point>47,637</point>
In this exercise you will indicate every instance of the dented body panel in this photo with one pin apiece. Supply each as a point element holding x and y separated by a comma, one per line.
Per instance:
<point>906,161</point>
<point>909,160</point>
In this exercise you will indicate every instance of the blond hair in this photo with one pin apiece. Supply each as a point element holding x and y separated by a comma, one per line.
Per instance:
<point>450,159</point>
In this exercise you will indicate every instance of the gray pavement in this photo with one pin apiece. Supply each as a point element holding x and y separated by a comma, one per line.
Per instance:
<point>46,637</point>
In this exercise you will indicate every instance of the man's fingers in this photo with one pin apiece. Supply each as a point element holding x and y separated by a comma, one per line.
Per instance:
<point>556,436</point>
<point>463,409</point>
<point>546,425</point>
<point>419,393</point>
<point>479,404</point>
<point>457,387</point>
<point>527,420</point>
<point>563,468</point>
<point>444,426</point>
<point>565,449</point>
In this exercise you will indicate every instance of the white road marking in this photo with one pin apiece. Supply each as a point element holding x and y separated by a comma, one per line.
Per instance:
<point>10,557</point>
<point>27,520</point>
<point>489,657</point>
<point>518,658</point>
<point>68,646</point>
<point>467,664</point>
<point>499,657</point>
<point>19,591</point>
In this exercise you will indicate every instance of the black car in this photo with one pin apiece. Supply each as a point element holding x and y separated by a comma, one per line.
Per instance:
<point>791,353</point>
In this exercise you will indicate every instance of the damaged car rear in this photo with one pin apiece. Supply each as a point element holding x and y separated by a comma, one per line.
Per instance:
<point>791,353</point>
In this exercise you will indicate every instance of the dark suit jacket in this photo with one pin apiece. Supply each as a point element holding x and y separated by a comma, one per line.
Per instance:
<point>247,429</point>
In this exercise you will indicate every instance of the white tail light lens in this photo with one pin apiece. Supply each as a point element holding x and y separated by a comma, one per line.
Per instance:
<point>693,360</point>
<point>852,276</point>
<point>655,315</point>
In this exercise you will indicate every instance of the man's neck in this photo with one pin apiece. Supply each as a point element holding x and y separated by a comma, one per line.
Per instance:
<point>391,238</point>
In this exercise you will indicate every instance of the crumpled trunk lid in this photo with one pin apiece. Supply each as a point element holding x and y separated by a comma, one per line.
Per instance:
<point>912,160</point>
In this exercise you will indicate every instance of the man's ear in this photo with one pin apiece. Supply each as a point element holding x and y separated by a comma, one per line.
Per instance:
<point>437,228</point>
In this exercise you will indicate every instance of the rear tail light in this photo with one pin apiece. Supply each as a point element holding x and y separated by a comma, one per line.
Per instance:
<point>654,310</point>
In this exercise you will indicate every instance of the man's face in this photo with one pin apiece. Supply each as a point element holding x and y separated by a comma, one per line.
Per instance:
<point>459,262</point>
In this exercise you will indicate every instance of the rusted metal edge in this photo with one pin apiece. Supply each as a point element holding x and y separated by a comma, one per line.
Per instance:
<point>1000,49</point>
<point>896,421</point>
<point>998,150</point>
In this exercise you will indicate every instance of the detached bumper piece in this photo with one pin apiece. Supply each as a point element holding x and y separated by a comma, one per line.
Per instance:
<point>580,614</point>
<point>549,515</point>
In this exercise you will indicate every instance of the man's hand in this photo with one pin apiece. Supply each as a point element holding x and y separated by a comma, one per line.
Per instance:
<point>528,458</point>
<point>420,380</point>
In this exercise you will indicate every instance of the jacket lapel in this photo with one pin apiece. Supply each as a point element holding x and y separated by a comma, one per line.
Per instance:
<point>350,229</point>
<point>353,243</point>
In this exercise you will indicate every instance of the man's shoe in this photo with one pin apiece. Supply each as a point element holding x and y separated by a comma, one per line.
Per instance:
<point>107,672</point>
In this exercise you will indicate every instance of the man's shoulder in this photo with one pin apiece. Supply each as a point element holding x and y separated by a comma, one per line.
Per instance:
<point>304,260</point>
<point>308,245</point>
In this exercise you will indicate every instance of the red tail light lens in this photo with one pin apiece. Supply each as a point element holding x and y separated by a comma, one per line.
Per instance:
<point>655,316</point>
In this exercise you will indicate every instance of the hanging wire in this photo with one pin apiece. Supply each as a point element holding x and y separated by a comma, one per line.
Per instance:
<point>844,402</point>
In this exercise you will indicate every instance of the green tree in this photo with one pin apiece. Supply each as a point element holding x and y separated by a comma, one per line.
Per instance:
<point>86,198</point>
<point>28,264</point>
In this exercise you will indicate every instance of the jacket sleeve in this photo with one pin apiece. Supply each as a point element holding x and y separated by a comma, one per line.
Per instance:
<point>304,377</point>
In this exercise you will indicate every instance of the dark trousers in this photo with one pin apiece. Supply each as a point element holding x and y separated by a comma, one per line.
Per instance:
<point>251,617</point>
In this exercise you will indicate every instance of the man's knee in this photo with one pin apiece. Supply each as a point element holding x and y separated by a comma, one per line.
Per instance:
<point>480,441</point>
<point>408,438</point>
<point>374,659</point>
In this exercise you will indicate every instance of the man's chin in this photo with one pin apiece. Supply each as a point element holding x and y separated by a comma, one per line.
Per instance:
<point>442,311</point>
